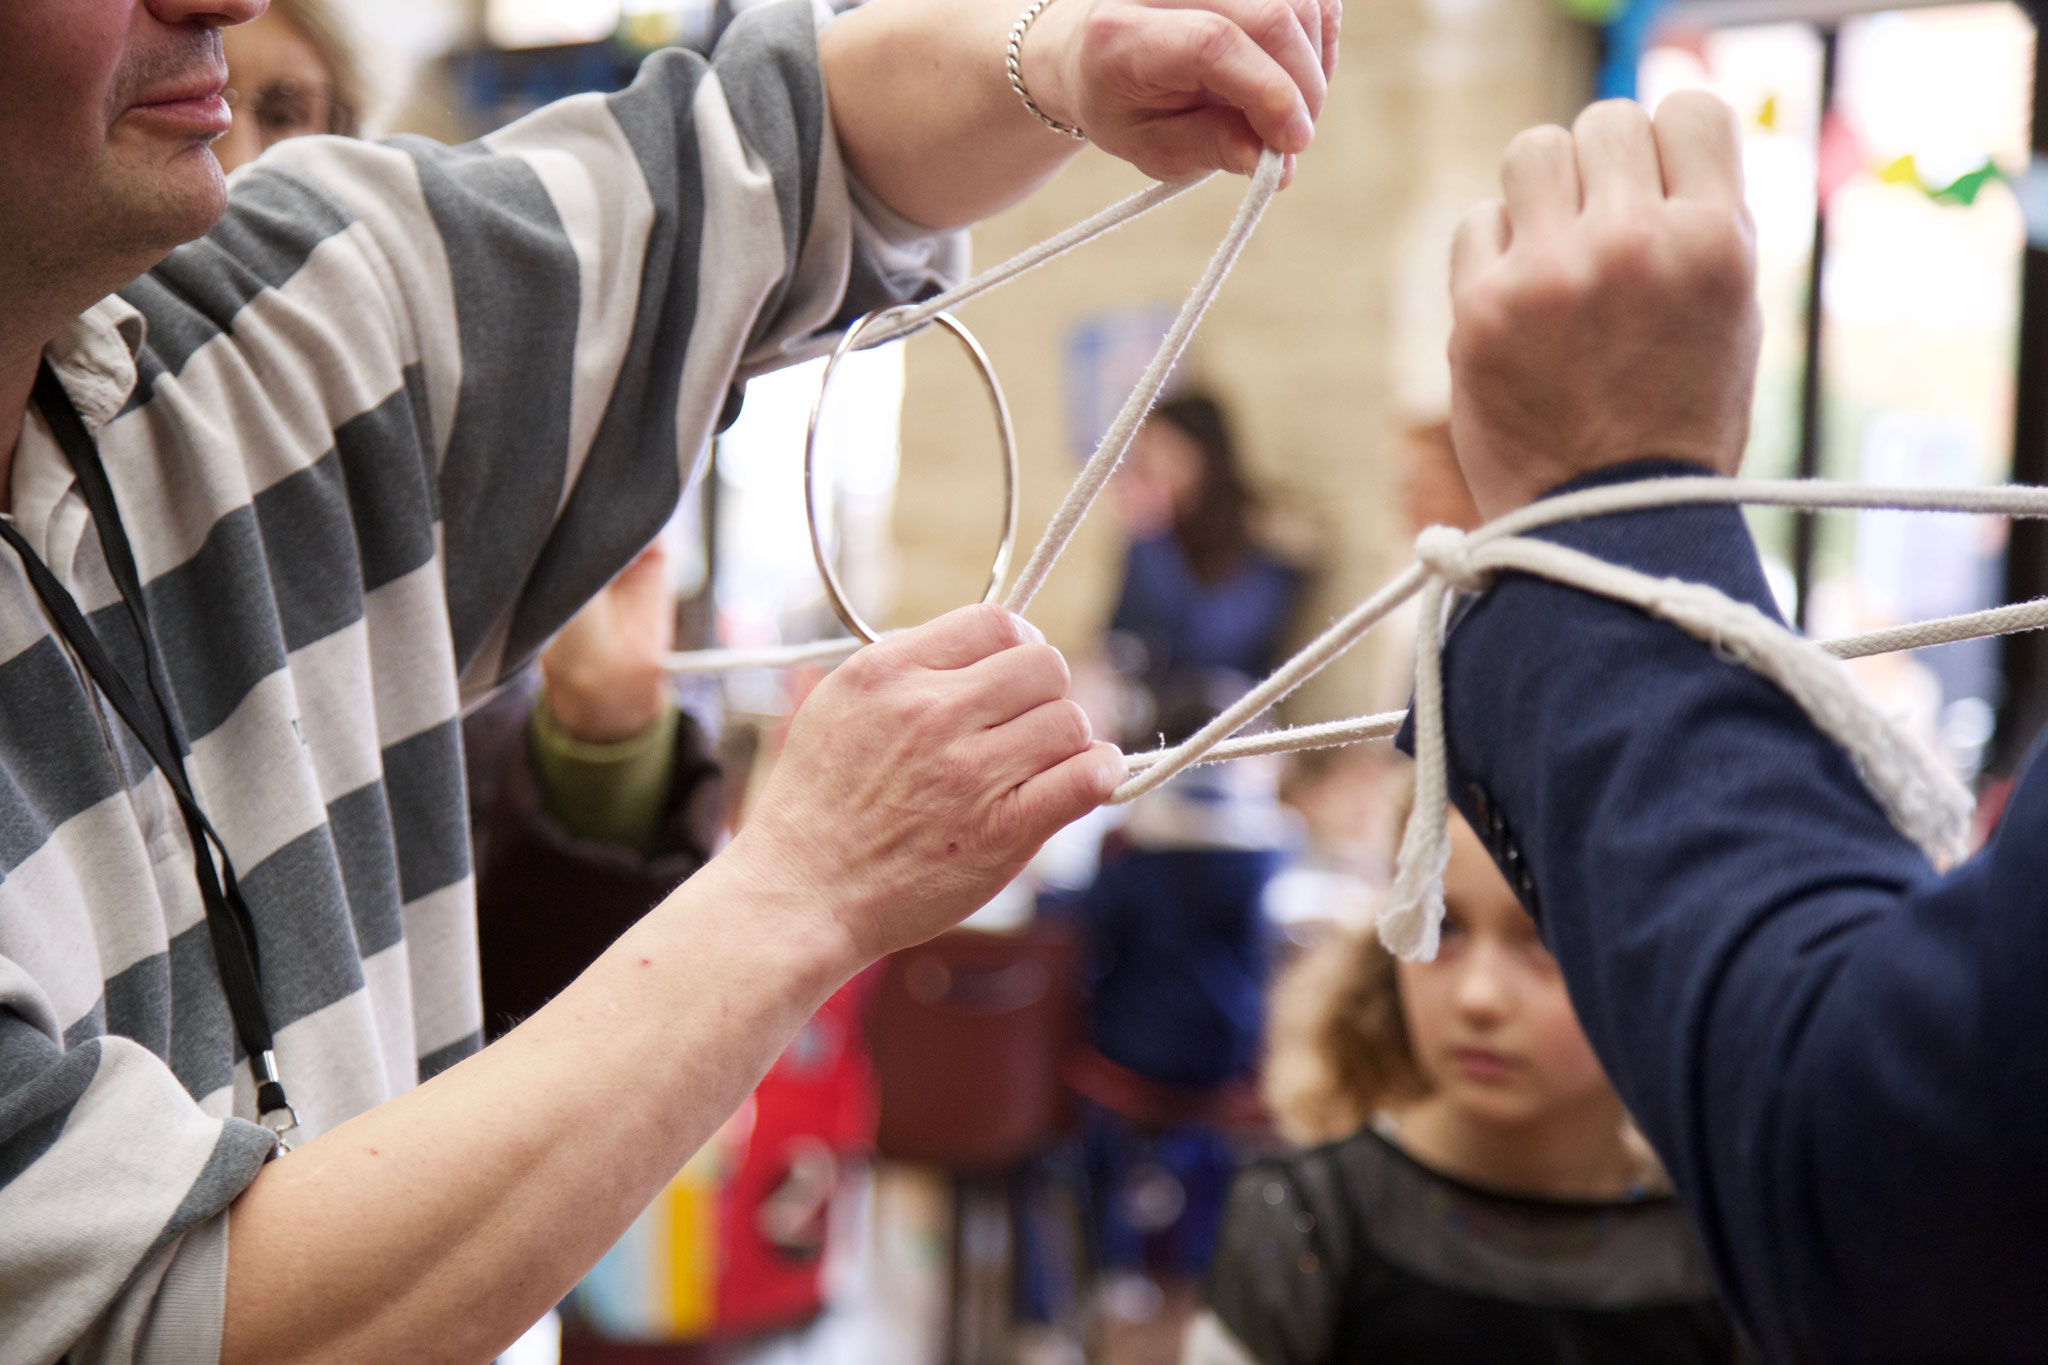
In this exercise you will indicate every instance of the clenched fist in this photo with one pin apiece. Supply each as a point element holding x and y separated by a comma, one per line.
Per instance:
<point>1606,306</point>
<point>922,775</point>
<point>1177,87</point>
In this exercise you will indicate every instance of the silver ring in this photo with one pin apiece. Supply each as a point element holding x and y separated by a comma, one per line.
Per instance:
<point>833,588</point>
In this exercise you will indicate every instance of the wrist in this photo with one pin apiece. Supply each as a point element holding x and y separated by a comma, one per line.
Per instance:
<point>1045,62</point>
<point>761,886</point>
<point>613,714</point>
<point>615,793</point>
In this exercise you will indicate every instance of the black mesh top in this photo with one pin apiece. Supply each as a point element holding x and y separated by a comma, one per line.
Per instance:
<point>1357,1254</point>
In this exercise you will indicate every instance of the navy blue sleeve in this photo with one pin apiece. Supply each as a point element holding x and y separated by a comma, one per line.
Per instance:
<point>1841,1054</point>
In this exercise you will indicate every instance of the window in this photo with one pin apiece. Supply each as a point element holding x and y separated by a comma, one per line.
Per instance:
<point>1882,148</point>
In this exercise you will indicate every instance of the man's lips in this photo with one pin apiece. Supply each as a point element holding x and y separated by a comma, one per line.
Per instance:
<point>198,105</point>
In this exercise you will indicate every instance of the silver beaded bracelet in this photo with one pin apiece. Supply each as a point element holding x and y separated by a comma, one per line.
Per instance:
<point>1015,63</point>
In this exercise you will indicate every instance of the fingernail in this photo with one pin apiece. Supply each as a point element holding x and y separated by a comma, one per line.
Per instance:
<point>1036,635</point>
<point>1301,130</point>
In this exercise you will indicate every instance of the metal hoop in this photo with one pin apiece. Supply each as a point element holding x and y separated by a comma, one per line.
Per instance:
<point>833,588</point>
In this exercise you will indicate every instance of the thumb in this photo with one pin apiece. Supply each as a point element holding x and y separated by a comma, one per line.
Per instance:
<point>1190,142</point>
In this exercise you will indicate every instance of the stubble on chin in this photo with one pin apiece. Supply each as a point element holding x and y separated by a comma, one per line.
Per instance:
<point>156,193</point>
<point>93,200</point>
<point>142,203</point>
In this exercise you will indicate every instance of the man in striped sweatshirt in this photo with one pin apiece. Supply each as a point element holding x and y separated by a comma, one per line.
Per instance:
<point>388,416</point>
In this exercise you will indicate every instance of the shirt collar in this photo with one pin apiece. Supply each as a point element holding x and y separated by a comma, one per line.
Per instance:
<point>94,355</point>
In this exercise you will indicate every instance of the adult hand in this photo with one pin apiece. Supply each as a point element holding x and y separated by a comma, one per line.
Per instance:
<point>1177,87</point>
<point>921,776</point>
<point>1606,307</point>
<point>603,674</point>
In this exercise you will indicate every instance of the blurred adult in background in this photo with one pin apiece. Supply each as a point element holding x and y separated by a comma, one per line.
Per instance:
<point>1177,949</point>
<point>1200,592</point>
<point>291,73</point>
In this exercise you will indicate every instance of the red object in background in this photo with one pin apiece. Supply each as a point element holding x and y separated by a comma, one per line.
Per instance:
<point>1990,810</point>
<point>813,1111</point>
<point>1841,156</point>
<point>970,1034</point>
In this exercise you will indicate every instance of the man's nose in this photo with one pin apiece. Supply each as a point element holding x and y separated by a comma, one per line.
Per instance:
<point>211,13</point>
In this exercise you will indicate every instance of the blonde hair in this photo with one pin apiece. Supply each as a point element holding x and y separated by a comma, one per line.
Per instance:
<point>321,25</point>
<point>1337,1047</point>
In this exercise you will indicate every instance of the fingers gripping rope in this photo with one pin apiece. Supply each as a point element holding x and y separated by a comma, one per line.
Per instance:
<point>1920,798</point>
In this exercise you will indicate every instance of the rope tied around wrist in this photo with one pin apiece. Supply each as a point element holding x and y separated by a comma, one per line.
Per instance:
<point>1920,797</point>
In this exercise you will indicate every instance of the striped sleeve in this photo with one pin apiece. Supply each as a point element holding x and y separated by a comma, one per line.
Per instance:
<point>118,1252</point>
<point>583,290</point>
<point>394,420</point>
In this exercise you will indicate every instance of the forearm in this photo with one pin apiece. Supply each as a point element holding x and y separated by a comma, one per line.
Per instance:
<point>1773,976</point>
<point>924,111</point>
<point>438,1226</point>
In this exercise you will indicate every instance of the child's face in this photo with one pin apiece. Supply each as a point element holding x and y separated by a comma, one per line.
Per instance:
<point>1491,1026</point>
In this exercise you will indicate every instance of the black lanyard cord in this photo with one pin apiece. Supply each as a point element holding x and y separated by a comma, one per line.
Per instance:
<point>229,924</point>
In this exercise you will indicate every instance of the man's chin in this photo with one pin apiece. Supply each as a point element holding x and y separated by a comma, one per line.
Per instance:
<point>159,208</point>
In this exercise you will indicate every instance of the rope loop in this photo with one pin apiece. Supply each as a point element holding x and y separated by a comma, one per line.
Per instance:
<point>1920,797</point>
<point>901,322</point>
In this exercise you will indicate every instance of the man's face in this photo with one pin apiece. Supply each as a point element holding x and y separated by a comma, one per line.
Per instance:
<point>107,112</point>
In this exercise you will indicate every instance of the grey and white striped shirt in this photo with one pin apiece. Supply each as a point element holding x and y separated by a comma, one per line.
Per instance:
<point>374,439</point>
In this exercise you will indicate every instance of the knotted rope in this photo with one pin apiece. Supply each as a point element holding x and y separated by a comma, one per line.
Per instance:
<point>1918,796</point>
<point>1922,800</point>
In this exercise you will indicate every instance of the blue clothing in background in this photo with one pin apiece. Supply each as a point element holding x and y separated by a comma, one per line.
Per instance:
<point>1178,953</point>
<point>1841,1054</point>
<point>1186,624</point>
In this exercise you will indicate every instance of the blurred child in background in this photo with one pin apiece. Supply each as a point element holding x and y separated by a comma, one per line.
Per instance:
<point>1480,1196</point>
<point>1177,949</point>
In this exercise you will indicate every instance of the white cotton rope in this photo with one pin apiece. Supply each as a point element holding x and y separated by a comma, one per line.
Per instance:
<point>1334,734</point>
<point>903,322</point>
<point>1110,452</point>
<point>690,662</point>
<point>1921,798</point>
<point>1945,630</point>
<point>1977,625</point>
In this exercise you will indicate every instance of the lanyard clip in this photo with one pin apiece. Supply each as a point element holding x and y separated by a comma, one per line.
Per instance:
<point>275,1110</point>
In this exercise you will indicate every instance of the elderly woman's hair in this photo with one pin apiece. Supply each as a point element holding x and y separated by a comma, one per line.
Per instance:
<point>320,23</point>
<point>1337,1046</point>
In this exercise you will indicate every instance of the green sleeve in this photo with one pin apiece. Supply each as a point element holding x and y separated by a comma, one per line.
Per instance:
<point>608,793</point>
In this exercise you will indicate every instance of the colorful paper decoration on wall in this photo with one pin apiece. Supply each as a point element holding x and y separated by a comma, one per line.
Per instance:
<point>1843,155</point>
